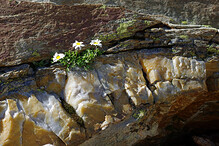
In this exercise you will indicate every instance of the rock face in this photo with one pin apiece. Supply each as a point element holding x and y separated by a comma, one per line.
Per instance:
<point>189,11</point>
<point>156,83</point>
<point>32,118</point>
<point>32,36</point>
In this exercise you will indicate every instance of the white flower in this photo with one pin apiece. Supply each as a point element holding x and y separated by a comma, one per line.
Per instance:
<point>77,44</point>
<point>96,43</point>
<point>58,56</point>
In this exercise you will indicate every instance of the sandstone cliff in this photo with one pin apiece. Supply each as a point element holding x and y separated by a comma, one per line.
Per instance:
<point>157,83</point>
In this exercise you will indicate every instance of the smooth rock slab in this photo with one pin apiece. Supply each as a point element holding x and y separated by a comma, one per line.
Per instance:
<point>11,132</point>
<point>163,69</point>
<point>177,86</point>
<point>38,117</point>
<point>51,79</point>
<point>84,92</point>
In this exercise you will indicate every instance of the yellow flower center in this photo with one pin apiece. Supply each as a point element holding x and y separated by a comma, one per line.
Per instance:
<point>78,44</point>
<point>96,43</point>
<point>58,57</point>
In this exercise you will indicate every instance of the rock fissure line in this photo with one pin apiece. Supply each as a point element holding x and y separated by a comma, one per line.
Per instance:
<point>151,87</point>
<point>138,49</point>
<point>110,96</point>
<point>134,37</point>
<point>68,108</point>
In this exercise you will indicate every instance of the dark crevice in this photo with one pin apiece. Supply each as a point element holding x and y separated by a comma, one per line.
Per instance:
<point>145,77</point>
<point>132,103</point>
<point>160,25</point>
<point>150,86</point>
<point>116,42</point>
<point>42,63</point>
<point>108,95</point>
<point>138,49</point>
<point>111,98</point>
<point>138,35</point>
<point>71,111</point>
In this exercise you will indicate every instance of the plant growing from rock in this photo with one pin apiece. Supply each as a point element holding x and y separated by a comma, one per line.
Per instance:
<point>139,114</point>
<point>212,50</point>
<point>81,59</point>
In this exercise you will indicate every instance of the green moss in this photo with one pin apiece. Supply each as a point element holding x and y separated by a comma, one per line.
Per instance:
<point>156,39</point>
<point>108,37</point>
<point>36,54</point>
<point>184,22</point>
<point>104,15</point>
<point>124,45</point>
<point>208,26</point>
<point>123,31</point>
<point>103,7</point>
<point>40,90</point>
<point>139,114</point>
<point>171,20</point>
<point>212,50</point>
<point>184,36</point>
<point>123,27</point>
<point>147,22</point>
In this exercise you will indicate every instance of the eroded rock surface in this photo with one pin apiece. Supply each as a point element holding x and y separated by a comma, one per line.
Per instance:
<point>38,117</point>
<point>190,11</point>
<point>153,81</point>
<point>33,31</point>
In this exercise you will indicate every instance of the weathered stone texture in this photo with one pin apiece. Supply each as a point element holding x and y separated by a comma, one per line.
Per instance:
<point>190,11</point>
<point>38,117</point>
<point>31,32</point>
<point>153,81</point>
<point>51,79</point>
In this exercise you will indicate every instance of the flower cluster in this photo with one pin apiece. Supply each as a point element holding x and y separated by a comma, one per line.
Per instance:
<point>82,59</point>
<point>58,56</point>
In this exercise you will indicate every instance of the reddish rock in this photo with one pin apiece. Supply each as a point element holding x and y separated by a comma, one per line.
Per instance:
<point>34,31</point>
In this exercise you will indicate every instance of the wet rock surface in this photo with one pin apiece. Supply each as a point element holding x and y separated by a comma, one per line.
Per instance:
<point>155,84</point>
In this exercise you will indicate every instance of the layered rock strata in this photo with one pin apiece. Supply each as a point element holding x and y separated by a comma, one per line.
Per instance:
<point>154,79</point>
